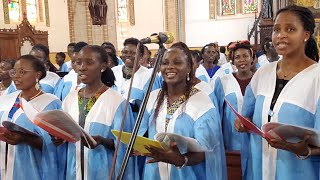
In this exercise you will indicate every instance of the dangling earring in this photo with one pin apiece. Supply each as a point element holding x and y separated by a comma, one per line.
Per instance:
<point>188,77</point>
<point>37,86</point>
<point>102,70</point>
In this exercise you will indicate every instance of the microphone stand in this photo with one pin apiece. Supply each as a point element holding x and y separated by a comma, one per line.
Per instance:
<point>134,133</point>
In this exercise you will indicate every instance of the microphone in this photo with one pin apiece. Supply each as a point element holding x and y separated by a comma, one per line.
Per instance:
<point>162,37</point>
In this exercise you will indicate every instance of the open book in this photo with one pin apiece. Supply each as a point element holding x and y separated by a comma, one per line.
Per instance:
<point>57,123</point>
<point>162,140</point>
<point>286,132</point>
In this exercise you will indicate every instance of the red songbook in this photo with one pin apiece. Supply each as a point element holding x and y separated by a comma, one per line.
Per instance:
<point>57,123</point>
<point>285,132</point>
<point>248,124</point>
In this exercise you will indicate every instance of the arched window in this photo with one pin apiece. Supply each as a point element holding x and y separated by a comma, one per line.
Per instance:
<point>233,7</point>
<point>228,7</point>
<point>32,8</point>
<point>14,10</point>
<point>250,6</point>
<point>122,11</point>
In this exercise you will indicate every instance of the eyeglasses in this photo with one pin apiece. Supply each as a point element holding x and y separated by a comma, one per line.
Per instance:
<point>19,72</point>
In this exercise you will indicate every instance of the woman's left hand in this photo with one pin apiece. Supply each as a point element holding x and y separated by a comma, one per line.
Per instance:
<point>13,138</point>
<point>171,155</point>
<point>300,148</point>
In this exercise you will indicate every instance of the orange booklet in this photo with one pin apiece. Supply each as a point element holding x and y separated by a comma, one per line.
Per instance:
<point>57,123</point>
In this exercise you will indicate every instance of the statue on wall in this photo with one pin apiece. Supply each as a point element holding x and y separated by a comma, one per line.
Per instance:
<point>98,11</point>
<point>267,9</point>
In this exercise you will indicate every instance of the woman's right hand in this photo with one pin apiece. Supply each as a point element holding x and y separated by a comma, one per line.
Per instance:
<point>239,126</point>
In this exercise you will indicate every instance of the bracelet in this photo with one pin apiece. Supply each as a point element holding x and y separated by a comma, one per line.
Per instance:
<point>185,162</point>
<point>305,157</point>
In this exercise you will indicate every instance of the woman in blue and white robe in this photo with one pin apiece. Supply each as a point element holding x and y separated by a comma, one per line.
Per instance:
<point>192,115</point>
<point>98,109</point>
<point>102,118</point>
<point>31,157</point>
<point>232,88</point>
<point>286,91</point>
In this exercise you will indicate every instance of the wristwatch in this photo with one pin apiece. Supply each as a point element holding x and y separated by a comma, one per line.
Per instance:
<point>185,162</point>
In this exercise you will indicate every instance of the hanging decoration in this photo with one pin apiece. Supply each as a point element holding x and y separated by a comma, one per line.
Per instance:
<point>98,11</point>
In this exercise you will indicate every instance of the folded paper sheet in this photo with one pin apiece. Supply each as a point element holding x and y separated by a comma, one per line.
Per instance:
<point>57,123</point>
<point>139,143</point>
<point>286,132</point>
<point>162,140</point>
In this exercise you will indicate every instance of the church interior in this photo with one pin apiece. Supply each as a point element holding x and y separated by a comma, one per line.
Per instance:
<point>56,23</point>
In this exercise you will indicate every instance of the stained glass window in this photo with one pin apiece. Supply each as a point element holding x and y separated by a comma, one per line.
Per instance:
<point>32,10</point>
<point>122,11</point>
<point>14,10</point>
<point>250,6</point>
<point>228,7</point>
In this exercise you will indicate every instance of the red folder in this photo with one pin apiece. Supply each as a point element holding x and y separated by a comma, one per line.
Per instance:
<point>248,124</point>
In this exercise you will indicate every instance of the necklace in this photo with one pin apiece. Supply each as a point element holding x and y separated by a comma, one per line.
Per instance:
<point>33,96</point>
<point>84,91</point>
<point>285,75</point>
<point>87,99</point>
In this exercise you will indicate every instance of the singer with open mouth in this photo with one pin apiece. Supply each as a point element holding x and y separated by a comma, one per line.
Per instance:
<point>178,107</point>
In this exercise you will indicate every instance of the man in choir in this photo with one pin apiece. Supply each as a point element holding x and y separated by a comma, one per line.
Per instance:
<point>70,49</point>
<point>60,58</point>
<point>6,83</point>
<point>71,81</point>
<point>210,55</point>
<point>48,83</point>
<point>123,73</point>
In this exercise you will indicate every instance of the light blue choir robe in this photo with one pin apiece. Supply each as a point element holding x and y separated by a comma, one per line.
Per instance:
<point>297,104</point>
<point>207,89</point>
<point>202,124</point>
<point>48,83</point>
<point>64,68</point>
<point>67,84</point>
<point>12,88</point>
<point>225,69</point>
<point>202,74</point>
<point>24,161</point>
<point>140,82</point>
<point>105,115</point>
<point>228,87</point>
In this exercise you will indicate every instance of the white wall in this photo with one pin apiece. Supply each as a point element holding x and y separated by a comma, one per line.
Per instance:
<point>59,25</point>
<point>149,18</point>
<point>201,30</point>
